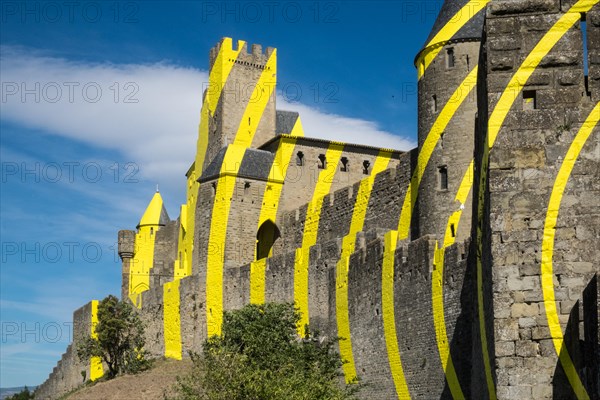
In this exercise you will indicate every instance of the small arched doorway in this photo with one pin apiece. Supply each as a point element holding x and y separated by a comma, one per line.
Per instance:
<point>267,234</point>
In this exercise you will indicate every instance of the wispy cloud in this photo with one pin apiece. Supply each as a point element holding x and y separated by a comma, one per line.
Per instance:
<point>149,113</point>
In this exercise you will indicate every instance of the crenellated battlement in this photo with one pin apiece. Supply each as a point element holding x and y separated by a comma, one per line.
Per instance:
<point>255,57</point>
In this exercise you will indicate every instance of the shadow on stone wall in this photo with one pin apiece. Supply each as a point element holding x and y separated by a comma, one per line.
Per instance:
<point>461,348</point>
<point>583,350</point>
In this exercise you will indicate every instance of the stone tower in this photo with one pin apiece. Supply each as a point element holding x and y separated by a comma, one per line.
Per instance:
<point>447,106</point>
<point>141,260</point>
<point>237,84</point>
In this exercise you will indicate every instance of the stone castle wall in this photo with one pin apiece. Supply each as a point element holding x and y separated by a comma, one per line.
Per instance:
<point>492,310</point>
<point>69,371</point>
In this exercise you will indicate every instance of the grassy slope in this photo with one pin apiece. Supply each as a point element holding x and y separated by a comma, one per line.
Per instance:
<point>148,385</point>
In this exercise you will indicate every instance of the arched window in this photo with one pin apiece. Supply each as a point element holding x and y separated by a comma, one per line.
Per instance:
<point>344,167</point>
<point>366,165</point>
<point>323,161</point>
<point>267,234</point>
<point>300,158</point>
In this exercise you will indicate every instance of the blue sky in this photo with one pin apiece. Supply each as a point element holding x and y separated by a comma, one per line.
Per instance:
<point>100,102</point>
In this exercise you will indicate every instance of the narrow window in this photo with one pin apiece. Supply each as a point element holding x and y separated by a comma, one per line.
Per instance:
<point>529,100</point>
<point>249,121</point>
<point>214,188</point>
<point>344,167</point>
<point>468,64</point>
<point>366,165</point>
<point>151,231</point>
<point>246,187</point>
<point>450,58</point>
<point>323,161</point>
<point>300,158</point>
<point>452,230</point>
<point>434,106</point>
<point>443,178</point>
<point>584,40</point>
<point>583,26</point>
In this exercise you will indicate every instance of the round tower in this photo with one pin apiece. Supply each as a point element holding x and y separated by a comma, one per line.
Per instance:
<point>447,112</point>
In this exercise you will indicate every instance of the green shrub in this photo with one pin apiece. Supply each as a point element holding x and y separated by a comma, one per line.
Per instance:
<point>260,356</point>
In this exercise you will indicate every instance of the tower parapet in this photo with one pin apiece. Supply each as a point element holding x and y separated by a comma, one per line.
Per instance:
<point>238,80</point>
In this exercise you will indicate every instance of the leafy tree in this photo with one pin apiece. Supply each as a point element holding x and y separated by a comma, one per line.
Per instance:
<point>260,356</point>
<point>24,394</point>
<point>120,339</point>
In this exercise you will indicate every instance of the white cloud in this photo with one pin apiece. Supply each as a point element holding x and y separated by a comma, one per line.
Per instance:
<point>344,129</point>
<point>159,131</point>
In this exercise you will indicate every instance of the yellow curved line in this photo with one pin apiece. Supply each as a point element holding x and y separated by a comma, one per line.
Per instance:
<point>501,110</point>
<point>220,71</point>
<point>450,108</point>
<point>348,246</point>
<point>270,205</point>
<point>311,229</point>
<point>464,15</point>
<point>96,369</point>
<point>548,249</point>
<point>388,314</point>
<point>225,186</point>
<point>185,245</point>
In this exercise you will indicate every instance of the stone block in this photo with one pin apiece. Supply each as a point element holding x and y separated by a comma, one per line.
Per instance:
<point>519,310</point>
<point>507,329</point>
<point>527,322</point>
<point>504,7</point>
<point>505,349</point>
<point>526,348</point>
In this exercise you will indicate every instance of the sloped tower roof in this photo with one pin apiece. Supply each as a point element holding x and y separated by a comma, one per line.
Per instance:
<point>451,13</point>
<point>155,213</point>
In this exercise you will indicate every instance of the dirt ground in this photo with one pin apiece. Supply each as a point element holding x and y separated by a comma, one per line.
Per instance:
<point>148,385</point>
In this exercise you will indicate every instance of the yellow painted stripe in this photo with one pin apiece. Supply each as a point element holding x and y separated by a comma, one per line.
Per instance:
<point>438,127</point>
<point>225,186</point>
<point>311,228</point>
<point>258,270</point>
<point>220,71</point>
<point>185,246</point>
<point>548,249</point>
<point>348,246</point>
<point>389,318</point>
<point>464,15</point>
<point>96,369</point>
<point>172,320</point>
<point>270,205</point>
<point>439,323</point>
<point>501,110</point>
